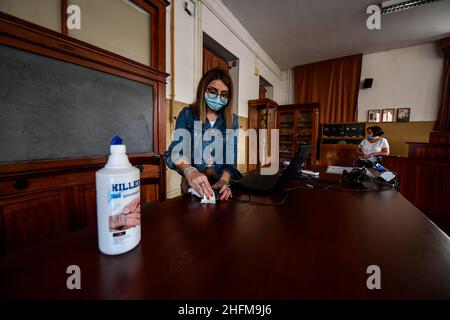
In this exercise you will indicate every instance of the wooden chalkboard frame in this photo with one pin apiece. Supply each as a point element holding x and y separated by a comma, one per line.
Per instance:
<point>21,34</point>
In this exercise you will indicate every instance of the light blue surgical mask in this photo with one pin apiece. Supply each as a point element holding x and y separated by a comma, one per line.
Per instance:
<point>370,137</point>
<point>215,103</point>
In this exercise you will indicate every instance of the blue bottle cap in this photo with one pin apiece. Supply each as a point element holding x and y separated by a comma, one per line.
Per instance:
<point>116,140</point>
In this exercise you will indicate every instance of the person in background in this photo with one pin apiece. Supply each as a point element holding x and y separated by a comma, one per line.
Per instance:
<point>214,109</point>
<point>374,145</point>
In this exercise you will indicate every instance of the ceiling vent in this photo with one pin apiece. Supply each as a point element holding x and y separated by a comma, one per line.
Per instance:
<point>393,6</point>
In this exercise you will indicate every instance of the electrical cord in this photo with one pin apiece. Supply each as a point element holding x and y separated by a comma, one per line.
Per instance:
<point>395,183</point>
<point>357,175</point>
<point>308,187</point>
<point>312,188</point>
<point>256,203</point>
<point>330,185</point>
<point>362,190</point>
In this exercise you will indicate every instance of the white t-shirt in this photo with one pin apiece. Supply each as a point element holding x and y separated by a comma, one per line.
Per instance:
<point>367,147</point>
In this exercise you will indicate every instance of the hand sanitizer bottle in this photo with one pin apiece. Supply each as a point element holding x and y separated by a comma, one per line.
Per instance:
<point>118,202</point>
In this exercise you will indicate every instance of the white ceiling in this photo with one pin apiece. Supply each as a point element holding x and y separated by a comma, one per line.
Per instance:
<point>295,32</point>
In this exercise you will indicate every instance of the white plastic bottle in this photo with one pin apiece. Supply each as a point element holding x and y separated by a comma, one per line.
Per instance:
<point>118,202</point>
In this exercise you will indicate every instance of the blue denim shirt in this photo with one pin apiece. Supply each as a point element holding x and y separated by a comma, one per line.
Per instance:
<point>186,120</point>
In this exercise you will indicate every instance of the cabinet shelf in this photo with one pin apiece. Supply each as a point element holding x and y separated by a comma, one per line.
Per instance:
<point>334,153</point>
<point>262,113</point>
<point>302,123</point>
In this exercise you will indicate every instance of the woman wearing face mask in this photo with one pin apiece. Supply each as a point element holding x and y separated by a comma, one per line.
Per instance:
<point>214,109</point>
<point>374,145</point>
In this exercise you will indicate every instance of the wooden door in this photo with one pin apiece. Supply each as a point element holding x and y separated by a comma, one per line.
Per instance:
<point>211,60</point>
<point>262,92</point>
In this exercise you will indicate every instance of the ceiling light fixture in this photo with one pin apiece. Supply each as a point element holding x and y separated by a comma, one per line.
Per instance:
<point>393,6</point>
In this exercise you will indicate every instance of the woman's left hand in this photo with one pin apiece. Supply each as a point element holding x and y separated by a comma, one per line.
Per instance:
<point>224,189</point>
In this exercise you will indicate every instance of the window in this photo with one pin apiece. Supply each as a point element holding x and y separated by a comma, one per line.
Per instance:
<point>118,26</point>
<point>46,13</point>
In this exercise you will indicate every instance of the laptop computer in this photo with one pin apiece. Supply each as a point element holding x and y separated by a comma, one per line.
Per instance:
<point>267,183</point>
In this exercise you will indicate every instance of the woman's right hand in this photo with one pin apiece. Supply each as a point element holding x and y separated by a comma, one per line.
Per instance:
<point>199,182</point>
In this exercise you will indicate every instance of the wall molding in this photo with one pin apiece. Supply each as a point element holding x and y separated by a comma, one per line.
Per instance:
<point>198,46</point>
<point>218,8</point>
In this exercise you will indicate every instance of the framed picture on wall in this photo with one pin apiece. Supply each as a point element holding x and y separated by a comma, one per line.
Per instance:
<point>403,114</point>
<point>374,115</point>
<point>388,115</point>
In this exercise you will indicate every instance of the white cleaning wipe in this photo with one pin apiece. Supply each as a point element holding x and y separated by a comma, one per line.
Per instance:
<point>212,200</point>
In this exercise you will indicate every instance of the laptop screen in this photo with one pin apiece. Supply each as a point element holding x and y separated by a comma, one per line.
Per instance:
<point>300,157</point>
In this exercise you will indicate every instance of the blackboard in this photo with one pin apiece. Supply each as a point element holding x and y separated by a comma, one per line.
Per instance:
<point>51,109</point>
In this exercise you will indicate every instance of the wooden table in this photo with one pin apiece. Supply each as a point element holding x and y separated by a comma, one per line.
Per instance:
<point>316,245</point>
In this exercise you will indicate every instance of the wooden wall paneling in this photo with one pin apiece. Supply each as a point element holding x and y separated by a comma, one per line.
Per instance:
<point>28,219</point>
<point>421,185</point>
<point>88,204</point>
<point>3,237</point>
<point>409,183</point>
<point>433,187</point>
<point>78,221</point>
<point>425,184</point>
<point>43,168</point>
<point>60,191</point>
<point>440,137</point>
<point>11,186</point>
<point>436,184</point>
<point>72,208</point>
<point>429,151</point>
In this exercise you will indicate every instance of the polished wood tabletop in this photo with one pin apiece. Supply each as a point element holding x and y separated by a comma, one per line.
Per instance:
<point>317,245</point>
